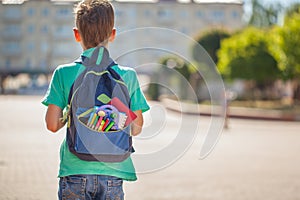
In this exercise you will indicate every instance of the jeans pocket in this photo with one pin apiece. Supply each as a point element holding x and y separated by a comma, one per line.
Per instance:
<point>72,188</point>
<point>115,189</point>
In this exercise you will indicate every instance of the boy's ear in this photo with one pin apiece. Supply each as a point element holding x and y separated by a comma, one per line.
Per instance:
<point>112,35</point>
<point>77,35</point>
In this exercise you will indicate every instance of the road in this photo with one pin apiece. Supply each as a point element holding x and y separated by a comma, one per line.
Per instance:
<point>255,160</point>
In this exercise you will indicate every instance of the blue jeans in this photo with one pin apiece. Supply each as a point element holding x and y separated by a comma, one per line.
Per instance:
<point>88,187</point>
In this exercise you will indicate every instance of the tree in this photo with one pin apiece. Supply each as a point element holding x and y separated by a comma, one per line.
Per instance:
<point>246,56</point>
<point>264,15</point>
<point>290,35</point>
<point>285,44</point>
<point>182,67</point>
<point>181,77</point>
<point>287,51</point>
<point>293,9</point>
<point>167,75</point>
<point>211,42</point>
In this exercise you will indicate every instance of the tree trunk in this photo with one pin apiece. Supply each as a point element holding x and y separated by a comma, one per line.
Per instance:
<point>296,94</point>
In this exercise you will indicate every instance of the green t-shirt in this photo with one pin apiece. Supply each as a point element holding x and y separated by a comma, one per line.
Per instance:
<point>57,94</point>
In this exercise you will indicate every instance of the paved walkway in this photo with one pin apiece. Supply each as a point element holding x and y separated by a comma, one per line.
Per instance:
<point>254,160</point>
<point>236,112</point>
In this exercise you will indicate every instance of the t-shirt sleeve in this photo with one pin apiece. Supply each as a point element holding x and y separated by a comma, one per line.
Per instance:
<point>54,94</point>
<point>138,100</point>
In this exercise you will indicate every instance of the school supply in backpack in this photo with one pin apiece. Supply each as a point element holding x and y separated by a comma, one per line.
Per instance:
<point>120,106</point>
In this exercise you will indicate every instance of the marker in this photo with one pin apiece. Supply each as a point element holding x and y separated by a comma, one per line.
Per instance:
<point>101,125</point>
<point>109,126</point>
<point>105,124</point>
<point>101,113</point>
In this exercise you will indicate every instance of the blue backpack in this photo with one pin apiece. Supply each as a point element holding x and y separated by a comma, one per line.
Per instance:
<point>99,111</point>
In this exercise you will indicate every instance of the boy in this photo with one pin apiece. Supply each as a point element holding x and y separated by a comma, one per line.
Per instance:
<point>91,179</point>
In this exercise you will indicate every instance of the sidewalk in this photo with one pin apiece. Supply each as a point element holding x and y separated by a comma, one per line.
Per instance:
<point>234,112</point>
<point>256,160</point>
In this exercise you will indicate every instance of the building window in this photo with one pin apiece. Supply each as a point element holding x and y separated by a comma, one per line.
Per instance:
<point>63,12</point>
<point>12,48</point>
<point>12,13</point>
<point>12,30</point>
<point>218,15</point>
<point>64,31</point>
<point>44,47</point>
<point>28,63</point>
<point>235,14</point>
<point>183,14</point>
<point>43,63</point>
<point>199,14</point>
<point>31,12</point>
<point>164,14</point>
<point>45,12</point>
<point>147,13</point>
<point>30,46</point>
<point>44,29</point>
<point>119,13</point>
<point>7,63</point>
<point>30,28</point>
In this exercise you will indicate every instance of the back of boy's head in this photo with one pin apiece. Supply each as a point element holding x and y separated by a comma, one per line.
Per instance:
<point>95,21</point>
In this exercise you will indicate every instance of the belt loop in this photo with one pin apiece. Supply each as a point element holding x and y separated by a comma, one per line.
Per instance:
<point>109,183</point>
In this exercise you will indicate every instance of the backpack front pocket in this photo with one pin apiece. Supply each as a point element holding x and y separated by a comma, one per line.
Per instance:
<point>91,141</point>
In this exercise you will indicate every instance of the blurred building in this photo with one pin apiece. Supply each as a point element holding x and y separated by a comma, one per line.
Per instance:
<point>36,35</point>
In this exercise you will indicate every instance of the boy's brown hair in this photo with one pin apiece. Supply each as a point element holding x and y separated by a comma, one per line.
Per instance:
<point>95,21</point>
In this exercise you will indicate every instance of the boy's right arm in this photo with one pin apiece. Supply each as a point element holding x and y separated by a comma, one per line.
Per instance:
<point>53,118</point>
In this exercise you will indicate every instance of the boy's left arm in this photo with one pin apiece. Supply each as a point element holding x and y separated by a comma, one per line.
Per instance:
<point>137,124</point>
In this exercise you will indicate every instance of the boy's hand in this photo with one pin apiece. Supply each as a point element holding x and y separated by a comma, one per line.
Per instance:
<point>137,124</point>
<point>53,118</point>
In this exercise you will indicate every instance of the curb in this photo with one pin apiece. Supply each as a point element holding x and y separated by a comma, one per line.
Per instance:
<point>233,112</point>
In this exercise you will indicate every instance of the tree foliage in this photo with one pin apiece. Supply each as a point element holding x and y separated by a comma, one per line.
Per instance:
<point>285,42</point>
<point>165,74</point>
<point>290,37</point>
<point>246,56</point>
<point>211,42</point>
<point>293,9</point>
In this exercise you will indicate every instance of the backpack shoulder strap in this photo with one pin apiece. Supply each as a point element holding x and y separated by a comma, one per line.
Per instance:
<point>113,72</point>
<point>99,58</point>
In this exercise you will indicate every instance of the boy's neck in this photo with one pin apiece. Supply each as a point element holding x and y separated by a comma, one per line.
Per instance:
<point>103,44</point>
